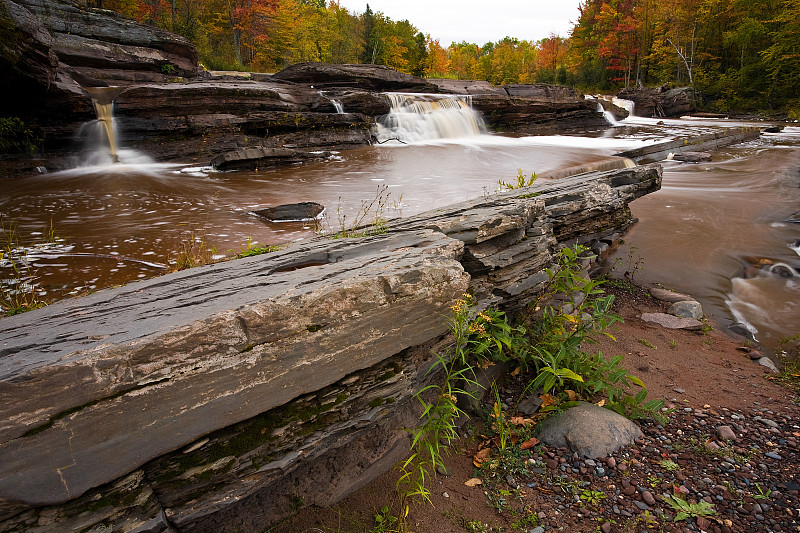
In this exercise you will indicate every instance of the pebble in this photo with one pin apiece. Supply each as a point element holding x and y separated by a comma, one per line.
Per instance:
<point>726,433</point>
<point>648,498</point>
<point>773,455</point>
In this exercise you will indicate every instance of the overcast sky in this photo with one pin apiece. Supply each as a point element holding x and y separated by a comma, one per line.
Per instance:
<point>478,21</point>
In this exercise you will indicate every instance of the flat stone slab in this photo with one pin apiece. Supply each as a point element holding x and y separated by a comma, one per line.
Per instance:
<point>590,431</point>
<point>666,295</point>
<point>693,157</point>
<point>299,212</point>
<point>92,388</point>
<point>672,322</point>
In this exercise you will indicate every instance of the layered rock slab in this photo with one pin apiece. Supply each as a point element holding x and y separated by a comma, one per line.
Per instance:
<point>176,358</point>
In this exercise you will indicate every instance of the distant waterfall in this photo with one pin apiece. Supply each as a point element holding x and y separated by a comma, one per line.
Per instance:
<point>627,105</point>
<point>428,117</point>
<point>338,107</point>
<point>103,101</point>
<point>608,115</point>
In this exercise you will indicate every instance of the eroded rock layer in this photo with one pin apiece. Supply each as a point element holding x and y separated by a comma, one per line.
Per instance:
<point>213,399</point>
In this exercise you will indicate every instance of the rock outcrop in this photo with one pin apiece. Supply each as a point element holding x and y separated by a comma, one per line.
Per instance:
<point>661,101</point>
<point>370,77</point>
<point>212,399</point>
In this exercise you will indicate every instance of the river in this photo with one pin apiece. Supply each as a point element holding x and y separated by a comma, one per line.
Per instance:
<point>117,223</point>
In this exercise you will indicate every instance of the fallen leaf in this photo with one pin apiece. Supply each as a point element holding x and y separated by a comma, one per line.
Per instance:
<point>530,443</point>
<point>516,371</point>
<point>548,400</point>
<point>474,482</point>
<point>479,458</point>
<point>572,395</point>
<point>520,421</point>
<point>602,402</point>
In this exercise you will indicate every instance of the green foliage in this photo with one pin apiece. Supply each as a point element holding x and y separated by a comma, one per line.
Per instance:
<point>521,183</point>
<point>253,248</point>
<point>385,521</point>
<point>368,220</point>
<point>592,497</point>
<point>17,137</point>
<point>689,510</point>
<point>18,291</point>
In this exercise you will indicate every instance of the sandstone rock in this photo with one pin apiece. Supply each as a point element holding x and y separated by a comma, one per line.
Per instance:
<point>466,86</point>
<point>693,157</point>
<point>543,91</point>
<point>672,322</point>
<point>262,157</point>
<point>527,115</point>
<point>665,295</point>
<point>291,212</point>
<point>372,77</point>
<point>661,101</point>
<point>590,431</point>
<point>224,364</point>
<point>686,309</point>
<point>726,433</point>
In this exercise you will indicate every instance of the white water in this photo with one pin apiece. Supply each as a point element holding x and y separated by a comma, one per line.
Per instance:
<point>338,107</point>
<point>627,105</point>
<point>610,118</point>
<point>417,118</point>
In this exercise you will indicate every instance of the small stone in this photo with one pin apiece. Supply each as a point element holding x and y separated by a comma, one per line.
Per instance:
<point>773,455</point>
<point>641,505</point>
<point>726,433</point>
<point>445,495</point>
<point>538,529</point>
<point>648,498</point>
<point>679,391</point>
<point>606,527</point>
<point>611,462</point>
<point>668,296</point>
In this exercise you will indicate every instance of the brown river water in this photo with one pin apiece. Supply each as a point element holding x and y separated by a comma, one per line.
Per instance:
<point>117,223</point>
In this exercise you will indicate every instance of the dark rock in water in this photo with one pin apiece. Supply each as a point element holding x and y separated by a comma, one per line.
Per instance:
<point>373,77</point>
<point>795,218</point>
<point>661,101</point>
<point>302,211</point>
<point>693,157</point>
<point>739,328</point>
<point>773,129</point>
<point>261,157</point>
<point>590,431</point>
<point>784,271</point>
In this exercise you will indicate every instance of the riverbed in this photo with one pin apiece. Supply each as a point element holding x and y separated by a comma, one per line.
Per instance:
<point>100,225</point>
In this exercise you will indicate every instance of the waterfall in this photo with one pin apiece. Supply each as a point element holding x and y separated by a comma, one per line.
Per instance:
<point>627,105</point>
<point>338,107</point>
<point>103,101</point>
<point>427,117</point>
<point>608,115</point>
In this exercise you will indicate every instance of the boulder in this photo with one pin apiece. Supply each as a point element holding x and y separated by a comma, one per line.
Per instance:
<point>589,430</point>
<point>527,115</point>
<point>769,364</point>
<point>372,77</point>
<point>96,39</point>
<point>661,101</point>
<point>672,322</point>
<point>665,295</point>
<point>693,157</point>
<point>302,211</point>
<point>543,91</point>
<point>686,309</point>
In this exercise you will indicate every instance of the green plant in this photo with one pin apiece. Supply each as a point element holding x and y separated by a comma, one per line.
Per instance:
<point>168,69</point>
<point>192,252</point>
<point>688,510</point>
<point>499,423</point>
<point>432,437</point>
<point>526,523</point>
<point>669,465</point>
<point>645,342</point>
<point>253,248</point>
<point>762,494</point>
<point>18,291</point>
<point>592,497</point>
<point>521,183</point>
<point>360,226</point>
<point>16,136</point>
<point>385,521</point>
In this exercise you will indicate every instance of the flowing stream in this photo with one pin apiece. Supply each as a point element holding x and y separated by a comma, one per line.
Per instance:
<point>703,233</point>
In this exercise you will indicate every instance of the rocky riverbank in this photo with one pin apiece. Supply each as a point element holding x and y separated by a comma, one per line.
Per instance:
<point>731,442</point>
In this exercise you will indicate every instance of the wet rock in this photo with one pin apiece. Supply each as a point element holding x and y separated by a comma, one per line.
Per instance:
<point>262,157</point>
<point>769,364</point>
<point>693,157</point>
<point>672,322</point>
<point>773,129</point>
<point>795,218</point>
<point>589,430</point>
<point>303,211</point>
<point>740,328</point>
<point>669,296</point>
<point>686,309</point>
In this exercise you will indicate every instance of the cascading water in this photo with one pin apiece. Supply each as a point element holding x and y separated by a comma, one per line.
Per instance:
<point>608,115</point>
<point>627,105</point>
<point>427,117</point>
<point>99,137</point>
<point>338,107</point>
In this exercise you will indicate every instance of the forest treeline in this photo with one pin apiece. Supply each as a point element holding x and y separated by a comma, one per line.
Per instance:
<point>739,54</point>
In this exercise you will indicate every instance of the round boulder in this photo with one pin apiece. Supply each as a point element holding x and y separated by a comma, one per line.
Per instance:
<point>686,309</point>
<point>589,430</point>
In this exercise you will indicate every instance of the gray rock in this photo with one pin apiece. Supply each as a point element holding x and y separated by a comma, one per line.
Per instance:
<point>590,431</point>
<point>669,296</point>
<point>769,364</point>
<point>672,322</point>
<point>529,405</point>
<point>686,309</point>
<point>302,211</point>
<point>693,157</point>
<point>726,433</point>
